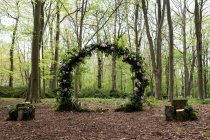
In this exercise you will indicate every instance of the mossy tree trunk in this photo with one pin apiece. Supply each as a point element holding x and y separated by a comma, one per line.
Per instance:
<point>13,44</point>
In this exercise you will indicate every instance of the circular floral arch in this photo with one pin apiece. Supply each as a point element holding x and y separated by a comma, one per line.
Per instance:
<point>67,65</point>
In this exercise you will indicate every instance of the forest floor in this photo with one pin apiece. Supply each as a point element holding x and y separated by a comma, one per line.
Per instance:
<point>149,124</point>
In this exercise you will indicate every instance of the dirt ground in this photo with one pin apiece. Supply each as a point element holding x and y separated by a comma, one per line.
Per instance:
<point>146,125</point>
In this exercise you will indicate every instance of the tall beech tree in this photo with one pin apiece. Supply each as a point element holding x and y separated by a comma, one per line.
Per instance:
<point>198,33</point>
<point>171,51</point>
<point>34,95</point>
<point>56,51</point>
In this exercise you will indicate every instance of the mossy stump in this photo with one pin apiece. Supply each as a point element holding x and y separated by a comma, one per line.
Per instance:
<point>22,111</point>
<point>180,111</point>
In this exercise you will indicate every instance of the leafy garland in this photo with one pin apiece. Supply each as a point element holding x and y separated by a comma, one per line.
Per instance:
<point>65,75</point>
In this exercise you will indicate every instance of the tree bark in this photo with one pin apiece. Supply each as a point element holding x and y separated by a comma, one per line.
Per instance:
<point>12,47</point>
<point>80,40</point>
<point>156,61</point>
<point>57,38</point>
<point>114,84</point>
<point>186,71</point>
<point>171,52</point>
<point>34,84</point>
<point>205,79</point>
<point>99,57</point>
<point>198,24</point>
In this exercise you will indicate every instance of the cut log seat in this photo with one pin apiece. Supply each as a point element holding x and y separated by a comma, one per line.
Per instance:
<point>181,115</point>
<point>179,103</point>
<point>22,111</point>
<point>170,113</point>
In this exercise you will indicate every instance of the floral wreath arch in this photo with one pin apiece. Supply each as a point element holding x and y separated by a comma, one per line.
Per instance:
<point>64,91</point>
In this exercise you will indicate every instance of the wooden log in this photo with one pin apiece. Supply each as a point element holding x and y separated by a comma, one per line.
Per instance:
<point>170,113</point>
<point>26,111</point>
<point>179,103</point>
<point>181,115</point>
<point>20,115</point>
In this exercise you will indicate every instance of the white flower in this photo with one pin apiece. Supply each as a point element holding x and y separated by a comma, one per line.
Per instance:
<point>103,45</point>
<point>125,56</point>
<point>81,58</point>
<point>136,89</point>
<point>138,64</point>
<point>136,80</point>
<point>65,89</point>
<point>112,48</point>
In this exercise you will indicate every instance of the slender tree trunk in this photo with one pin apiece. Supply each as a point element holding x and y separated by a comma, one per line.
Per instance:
<point>198,23</point>
<point>156,61</point>
<point>171,52</point>
<point>205,63</point>
<point>51,84</point>
<point>100,59</point>
<point>186,71</point>
<point>12,54</point>
<point>57,38</point>
<point>167,76</point>
<point>34,84</point>
<point>80,40</point>
<point>190,80</point>
<point>121,78</point>
<point>114,84</point>
<point>41,88</point>
<point>100,70</point>
<point>12,48</point>
<point>136,27</point>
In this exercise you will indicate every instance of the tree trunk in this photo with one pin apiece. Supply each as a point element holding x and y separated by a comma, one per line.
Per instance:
<point>198,24</point>
<point>51,84</point>
<point>80,40</point>
<point>156,61</point>
<point>186,71</point>
<point>100,57</point>
<point>12,48</point>
<point>41,88</point>
<point>171,52</point>
<point>114,84</point>
<point>205,63</point>
<point>56,59</point>
<point>167,76</point>
<point>100,70</point>
<point>34,84</point>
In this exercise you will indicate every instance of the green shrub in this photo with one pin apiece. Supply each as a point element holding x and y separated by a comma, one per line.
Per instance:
<point>64,104</point>
<point>50,93</point>
<point>190,113</point>
<point>102,93</point>
<point>205,101</point>
<point>134,104</point>
<point>16,92</point>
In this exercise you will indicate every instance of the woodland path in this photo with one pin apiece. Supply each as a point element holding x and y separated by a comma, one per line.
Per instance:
<point>147,125</point>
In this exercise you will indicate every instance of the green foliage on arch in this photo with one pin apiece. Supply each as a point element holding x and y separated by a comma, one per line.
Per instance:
<point>67,65</point>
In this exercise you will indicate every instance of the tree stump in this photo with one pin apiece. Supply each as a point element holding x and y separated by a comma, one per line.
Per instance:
<point>23,111</point>
<point>181,115</point>
<point>179,103</point>
<point>170,113</point>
